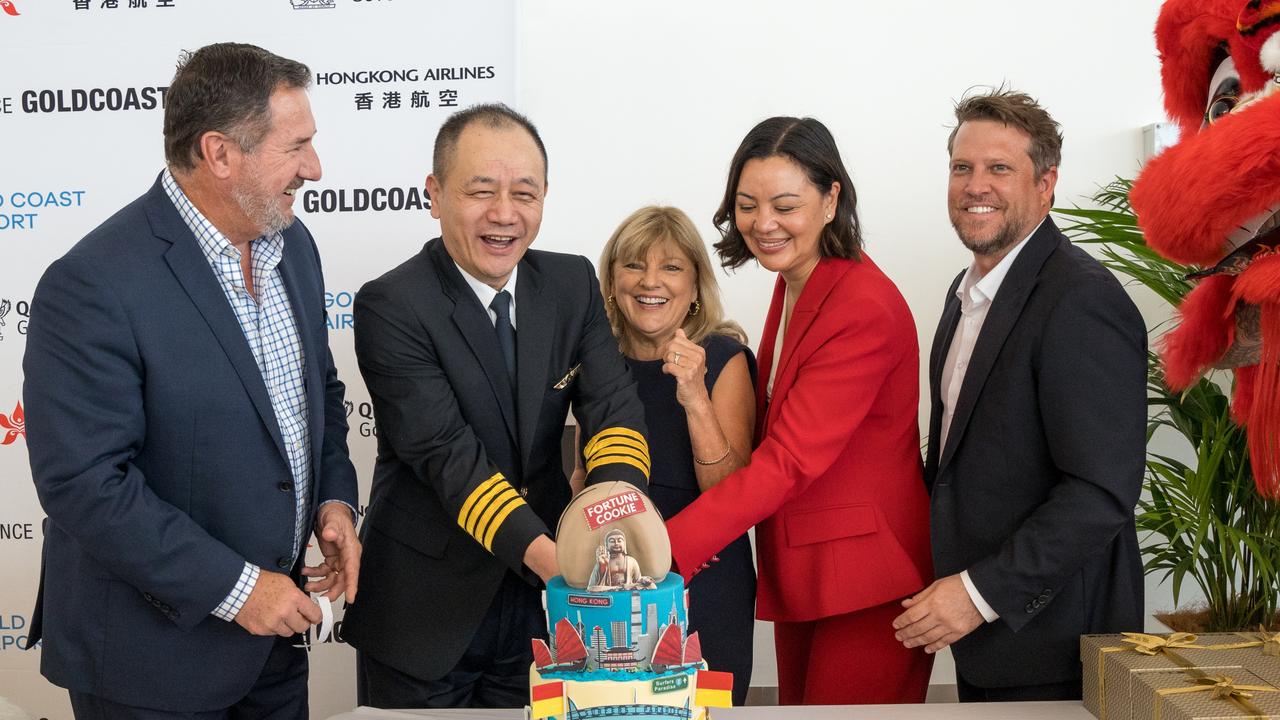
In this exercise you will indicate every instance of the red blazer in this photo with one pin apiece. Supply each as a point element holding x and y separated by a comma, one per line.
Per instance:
<point>834,487</point>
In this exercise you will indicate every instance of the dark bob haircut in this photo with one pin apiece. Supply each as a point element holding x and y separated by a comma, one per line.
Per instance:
<point>809,144</point>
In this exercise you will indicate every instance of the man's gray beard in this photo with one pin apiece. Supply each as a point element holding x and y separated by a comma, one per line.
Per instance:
<point>264,214</point>
<point>1003,239</point>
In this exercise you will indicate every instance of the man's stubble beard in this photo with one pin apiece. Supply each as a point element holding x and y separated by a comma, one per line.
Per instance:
<point>263,211</point>
<point>1005,238</point>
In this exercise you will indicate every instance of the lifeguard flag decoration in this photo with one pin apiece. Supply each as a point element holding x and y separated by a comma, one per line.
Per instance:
<point>548,700</point>
<point>715,689</point>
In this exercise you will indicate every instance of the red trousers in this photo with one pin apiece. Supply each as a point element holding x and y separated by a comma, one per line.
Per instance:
<point>849,659</point>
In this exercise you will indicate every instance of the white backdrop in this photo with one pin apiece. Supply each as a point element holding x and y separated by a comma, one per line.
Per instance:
<point>637,102</point>
<point>662,92</point>
<point>386,75</point>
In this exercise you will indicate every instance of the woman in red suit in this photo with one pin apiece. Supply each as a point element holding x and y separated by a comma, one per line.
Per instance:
<point>834,485</point>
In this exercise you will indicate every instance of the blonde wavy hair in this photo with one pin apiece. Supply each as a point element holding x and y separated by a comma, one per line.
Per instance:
<point>643,229</point>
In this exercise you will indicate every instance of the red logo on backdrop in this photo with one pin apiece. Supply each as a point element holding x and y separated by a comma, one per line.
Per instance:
<point>613,509</point>
<point>15,424</point>
<point>8,6</point>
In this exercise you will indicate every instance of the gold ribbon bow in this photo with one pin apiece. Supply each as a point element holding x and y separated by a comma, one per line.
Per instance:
<point>1155,645</point>
<point>1223,688</point>
<point>1264,638</point>
<point>1270,641</point>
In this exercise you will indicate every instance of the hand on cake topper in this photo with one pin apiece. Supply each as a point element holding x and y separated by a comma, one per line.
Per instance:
<point>615,569</point>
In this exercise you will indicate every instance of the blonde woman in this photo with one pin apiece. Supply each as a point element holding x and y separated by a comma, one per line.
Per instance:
<point>695,377</point>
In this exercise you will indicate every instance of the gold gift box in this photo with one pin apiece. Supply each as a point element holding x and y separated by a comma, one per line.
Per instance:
<point>1265,663</point>
<point>1112,664</point>
<point>1204,695</point>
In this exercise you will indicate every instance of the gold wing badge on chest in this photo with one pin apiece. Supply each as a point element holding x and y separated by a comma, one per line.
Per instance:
<point>568,377</point>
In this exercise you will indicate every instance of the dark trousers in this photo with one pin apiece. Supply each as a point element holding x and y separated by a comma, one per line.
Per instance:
<point>493,672</point>
<point>722,610</point>
<point>967,692</point>
<point>280,693</point>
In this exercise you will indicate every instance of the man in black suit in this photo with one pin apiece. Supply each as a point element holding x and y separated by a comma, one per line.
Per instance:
<point>473,351</point>
<point>1037,434</point>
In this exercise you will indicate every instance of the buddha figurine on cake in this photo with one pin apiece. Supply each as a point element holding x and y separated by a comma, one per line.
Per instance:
<point>617,619</point>
<point>615,569</point>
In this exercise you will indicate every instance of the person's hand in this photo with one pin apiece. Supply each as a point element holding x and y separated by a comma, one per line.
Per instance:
<point>686,361</point>
<point>339,574</point>
<point>540,557</point>
<point>937,616</point>
<point>277,607</point>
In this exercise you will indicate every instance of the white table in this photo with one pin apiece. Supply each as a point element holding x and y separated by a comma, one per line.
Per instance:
<point>930,711</point>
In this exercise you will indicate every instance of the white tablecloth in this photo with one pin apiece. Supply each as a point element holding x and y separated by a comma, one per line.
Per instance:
<point>931,711</point>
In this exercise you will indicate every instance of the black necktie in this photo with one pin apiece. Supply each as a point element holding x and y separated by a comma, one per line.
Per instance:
<point>501,307</point>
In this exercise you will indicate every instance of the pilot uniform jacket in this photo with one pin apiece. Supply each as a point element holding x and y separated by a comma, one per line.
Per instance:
<point>469,474</point>
<point>159,460</point>
<point>834,486</point>
<point>1035,490</point>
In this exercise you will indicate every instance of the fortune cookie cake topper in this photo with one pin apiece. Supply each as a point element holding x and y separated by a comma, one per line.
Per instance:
<point>611,537</point>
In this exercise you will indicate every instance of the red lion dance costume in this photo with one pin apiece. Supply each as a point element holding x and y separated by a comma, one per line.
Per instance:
<point>1213,200</point>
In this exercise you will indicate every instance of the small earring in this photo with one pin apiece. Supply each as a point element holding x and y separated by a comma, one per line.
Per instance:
<point>695,307</point>
<point>828,217</point>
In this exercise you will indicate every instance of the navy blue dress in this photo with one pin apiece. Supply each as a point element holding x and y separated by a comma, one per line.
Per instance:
<point>722,599</point>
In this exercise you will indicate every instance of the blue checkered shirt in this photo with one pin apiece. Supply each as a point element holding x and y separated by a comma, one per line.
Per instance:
<point>272,334</point>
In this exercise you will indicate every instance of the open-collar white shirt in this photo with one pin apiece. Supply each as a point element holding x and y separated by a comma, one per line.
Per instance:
<point>976,292</point>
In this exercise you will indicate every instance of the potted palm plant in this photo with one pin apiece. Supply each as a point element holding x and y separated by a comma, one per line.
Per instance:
<point>1200,515</point>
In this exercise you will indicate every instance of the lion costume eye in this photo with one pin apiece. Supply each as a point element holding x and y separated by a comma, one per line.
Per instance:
<point>1221,105</point>
<point>1224,91</point>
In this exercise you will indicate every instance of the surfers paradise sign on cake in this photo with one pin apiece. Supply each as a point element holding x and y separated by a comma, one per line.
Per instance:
<point>618,620</point>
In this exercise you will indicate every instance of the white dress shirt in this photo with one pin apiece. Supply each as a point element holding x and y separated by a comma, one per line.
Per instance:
<point>270,329</point>
<point>976,292</point>
<point>486,294</point>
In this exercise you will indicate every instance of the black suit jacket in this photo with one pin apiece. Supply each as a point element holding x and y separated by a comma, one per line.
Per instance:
<point>467,476</point>
<point>1035,489</point>
<point>158,457</point>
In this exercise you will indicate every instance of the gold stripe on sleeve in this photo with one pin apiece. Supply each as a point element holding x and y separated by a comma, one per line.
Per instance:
<point>613,454</point>
<point>612,459</point>
<point>482,522</point>
<point>621,445</point>
<point>498,519</point>
<point>474,499</point>
<point>612,434</point>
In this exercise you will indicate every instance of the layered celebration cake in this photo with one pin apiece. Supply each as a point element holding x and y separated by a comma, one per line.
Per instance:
<point>618,620</point>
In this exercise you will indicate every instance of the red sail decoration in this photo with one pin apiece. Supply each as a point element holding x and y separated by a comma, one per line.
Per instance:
<point>668,653</point>
<point>541,654</point>
<point>569,647</point>
<point>693,650</point>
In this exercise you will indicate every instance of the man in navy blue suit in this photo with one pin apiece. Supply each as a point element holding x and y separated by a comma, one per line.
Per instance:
<point>186,425</point>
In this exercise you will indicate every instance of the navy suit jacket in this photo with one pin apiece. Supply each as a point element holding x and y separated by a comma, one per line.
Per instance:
<point>1034,491</point>
<point>157,456</point>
